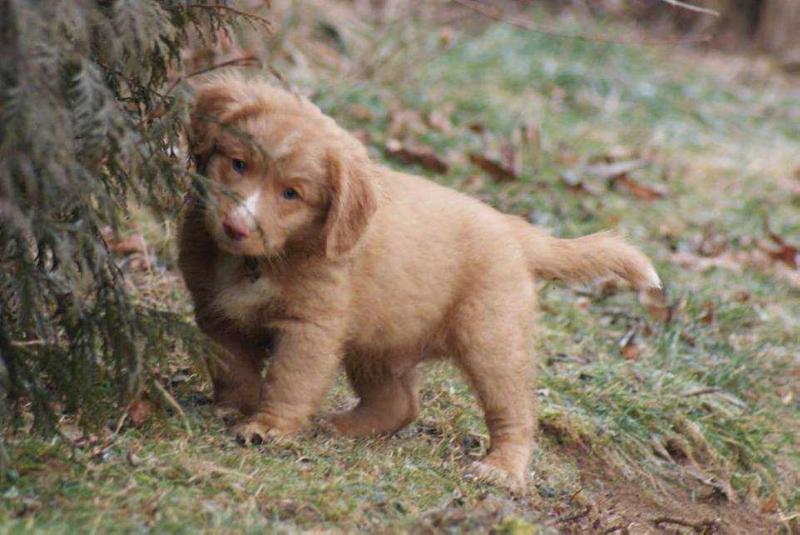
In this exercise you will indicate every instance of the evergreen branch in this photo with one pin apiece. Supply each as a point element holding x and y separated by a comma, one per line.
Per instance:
<point>158,112</point>
<point>692,7</point>
<point>238,12</point>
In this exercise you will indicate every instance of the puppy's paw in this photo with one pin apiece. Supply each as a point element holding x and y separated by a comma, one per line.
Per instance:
<point>500,477</point>
<point>351,423</point>
<point>253,433</point>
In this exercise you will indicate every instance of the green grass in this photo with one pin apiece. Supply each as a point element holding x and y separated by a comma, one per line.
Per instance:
<point>717,398</point>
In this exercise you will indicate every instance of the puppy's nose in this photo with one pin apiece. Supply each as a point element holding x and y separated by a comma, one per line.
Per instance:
<point>235,229</point>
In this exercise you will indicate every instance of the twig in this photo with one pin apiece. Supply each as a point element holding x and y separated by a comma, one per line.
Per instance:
<point>28,343</point>
<point>229,63</point>
<point>175,405</point>
<point>122,418</point>
<point>576,516</point>
<point>525,25</point>
<point>692,7</point>
<point>702,391</point>
<point>157,112</point>
<point>575,494</point>
<point>699,527</point>
<point>239,12</point>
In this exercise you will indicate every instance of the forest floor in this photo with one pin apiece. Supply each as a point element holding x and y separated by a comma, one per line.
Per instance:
<point>682,419</point>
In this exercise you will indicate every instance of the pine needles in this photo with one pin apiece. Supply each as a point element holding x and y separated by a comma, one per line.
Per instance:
<point>87,128</point>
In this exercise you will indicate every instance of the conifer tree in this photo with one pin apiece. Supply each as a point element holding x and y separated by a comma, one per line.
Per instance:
<point>91,121</point>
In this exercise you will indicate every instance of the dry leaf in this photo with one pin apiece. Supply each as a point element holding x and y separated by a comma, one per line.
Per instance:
<point>575,184</point>
<point>707,316</point>
<point>628,346</point>
<point>742,296</point>
<point>139,411</point>
<point>618,175</point>
<point>360,112</point>
<point>788,254</point>
<point>124,246</point>
<point>637,189</point>
<point>417,154</point>
<point>510,157</point>
<point>478,128</point>
<point>756,259</point>
<point>770,505</point>
<point>138,262</point>
<point>439,120</point>
<point>656,303</point>
<point>710,243</point>
<point>693,262</point>
<point>131,456</point>
<point>499,171</point>
<point>609,171</point>
<point>405,122</point>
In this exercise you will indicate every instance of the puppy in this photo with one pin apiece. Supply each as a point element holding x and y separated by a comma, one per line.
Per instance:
<point>306,251</point>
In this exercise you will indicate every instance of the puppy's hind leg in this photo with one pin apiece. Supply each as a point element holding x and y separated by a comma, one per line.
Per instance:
<point>388,399</point>
<point>493,353</point>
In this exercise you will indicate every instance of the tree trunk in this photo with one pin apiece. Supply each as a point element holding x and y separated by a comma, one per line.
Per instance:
<point>779,31</point>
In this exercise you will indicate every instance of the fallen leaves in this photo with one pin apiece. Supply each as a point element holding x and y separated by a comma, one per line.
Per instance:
<point>589,179</point>
<point>501,169</point>
<point>694,262</point>
<point>134,248</point>
<point>628,345</point>
<point>417,154</point>
<point>636,189</point>
<point>775,257</point>
<point>788,254</point>
<point>614,169</point>
<point>360,112</point>
<point>770,505</point>
<point>439,120</point>
<point>503,160</point>
<point>139,411</point>
<point>656,303</point>
<point>125,246</point>
<point>405,123</point>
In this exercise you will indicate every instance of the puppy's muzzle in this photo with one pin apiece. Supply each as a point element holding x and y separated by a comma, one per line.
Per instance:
<point>235,228</point>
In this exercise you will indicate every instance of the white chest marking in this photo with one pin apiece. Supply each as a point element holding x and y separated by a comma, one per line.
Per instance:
<point>240,298</point>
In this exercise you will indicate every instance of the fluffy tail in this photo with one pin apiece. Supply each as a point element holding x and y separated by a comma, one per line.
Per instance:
<point>586,258</point>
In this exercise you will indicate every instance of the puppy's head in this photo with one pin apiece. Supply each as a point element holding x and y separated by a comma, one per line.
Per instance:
<point>282,175</point>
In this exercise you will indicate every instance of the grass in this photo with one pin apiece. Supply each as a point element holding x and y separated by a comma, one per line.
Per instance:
<point>714,400</point>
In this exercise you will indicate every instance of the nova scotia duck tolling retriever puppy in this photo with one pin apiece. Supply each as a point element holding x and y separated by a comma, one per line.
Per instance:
<point>303,255</point>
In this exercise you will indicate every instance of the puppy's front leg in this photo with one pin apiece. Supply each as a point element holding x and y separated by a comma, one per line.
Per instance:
<point>302,370</point>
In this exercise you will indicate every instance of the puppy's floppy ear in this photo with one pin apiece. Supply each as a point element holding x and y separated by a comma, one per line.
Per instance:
<point>353,203</point>
<point>212,100</point>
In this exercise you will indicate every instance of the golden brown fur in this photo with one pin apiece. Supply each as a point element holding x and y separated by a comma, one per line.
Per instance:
<point>365,267</point>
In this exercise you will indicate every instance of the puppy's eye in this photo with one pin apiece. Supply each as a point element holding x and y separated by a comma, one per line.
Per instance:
<point>240,166</point>
<point>290,194</point>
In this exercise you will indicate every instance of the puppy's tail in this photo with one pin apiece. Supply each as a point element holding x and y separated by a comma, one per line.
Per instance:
<point>586,258</point>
